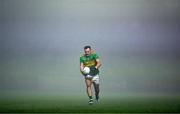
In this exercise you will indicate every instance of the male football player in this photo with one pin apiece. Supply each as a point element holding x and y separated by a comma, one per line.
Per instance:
<point>91,59</point>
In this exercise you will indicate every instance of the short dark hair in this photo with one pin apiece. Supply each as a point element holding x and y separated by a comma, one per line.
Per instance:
<point>86,47</point>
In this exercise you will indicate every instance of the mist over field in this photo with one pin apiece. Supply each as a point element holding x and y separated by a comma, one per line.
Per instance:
<point>137,41</point>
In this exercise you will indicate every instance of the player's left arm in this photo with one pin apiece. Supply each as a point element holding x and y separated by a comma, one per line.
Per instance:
<point>98,63</point>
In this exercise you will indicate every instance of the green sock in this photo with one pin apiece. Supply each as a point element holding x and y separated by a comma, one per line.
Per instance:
<point>90,97</point>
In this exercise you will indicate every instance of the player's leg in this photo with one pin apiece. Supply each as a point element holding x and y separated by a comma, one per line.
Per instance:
<point>96,86</point>
<point>89,89</point>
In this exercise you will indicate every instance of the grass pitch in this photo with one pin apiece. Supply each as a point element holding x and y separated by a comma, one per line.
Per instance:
<point>79,104</point>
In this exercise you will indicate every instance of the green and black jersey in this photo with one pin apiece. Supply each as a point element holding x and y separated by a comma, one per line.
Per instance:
<point>90,61</point>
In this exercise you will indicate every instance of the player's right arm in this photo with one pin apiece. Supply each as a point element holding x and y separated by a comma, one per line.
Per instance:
<point>81,64</point>
<point>81,67</point>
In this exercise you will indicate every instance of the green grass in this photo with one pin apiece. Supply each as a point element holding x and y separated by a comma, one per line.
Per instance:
<point>79,104</point>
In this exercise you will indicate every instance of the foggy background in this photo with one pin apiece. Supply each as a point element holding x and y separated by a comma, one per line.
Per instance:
<point>137,41</point>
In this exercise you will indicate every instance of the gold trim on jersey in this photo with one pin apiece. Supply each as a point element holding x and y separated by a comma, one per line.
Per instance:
<point>90,63</point>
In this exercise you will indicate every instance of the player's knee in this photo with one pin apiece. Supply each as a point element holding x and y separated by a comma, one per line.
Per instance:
<point>88,86</point>
<point>97,88</point>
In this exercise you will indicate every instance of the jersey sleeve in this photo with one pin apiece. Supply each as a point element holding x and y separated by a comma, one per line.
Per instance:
<point>95,56</point>
<point>81,60</point>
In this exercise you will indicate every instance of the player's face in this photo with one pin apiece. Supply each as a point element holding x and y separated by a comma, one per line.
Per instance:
<point>87,51</point>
